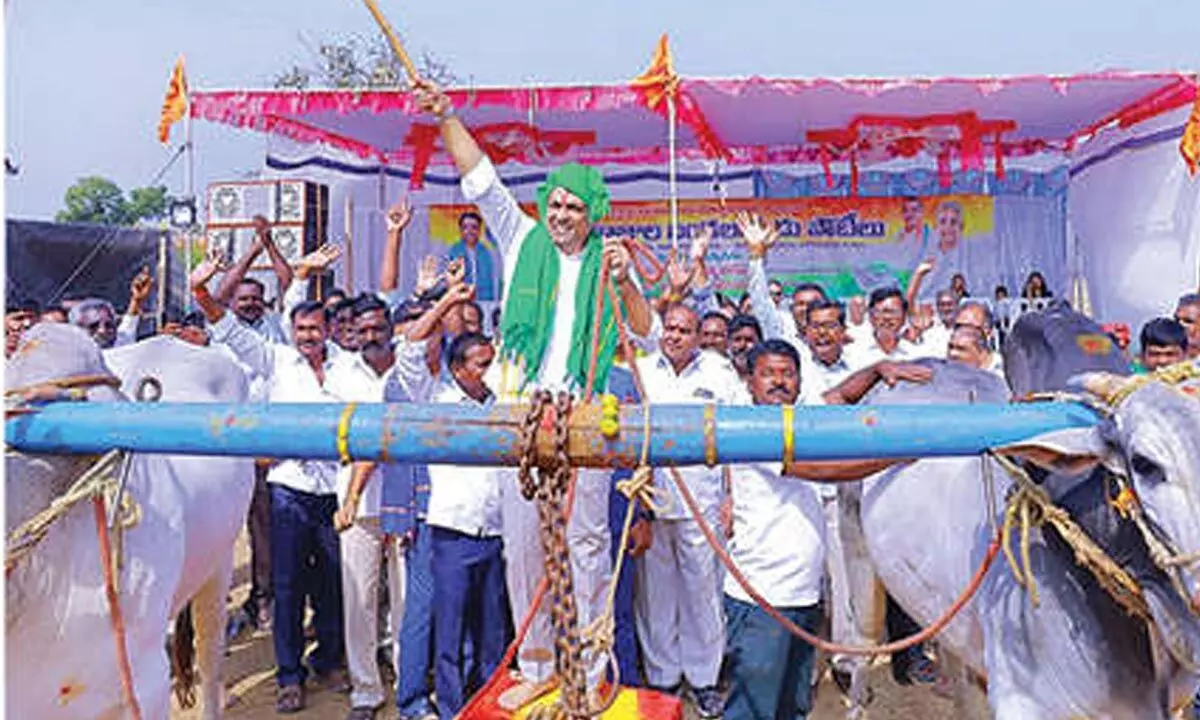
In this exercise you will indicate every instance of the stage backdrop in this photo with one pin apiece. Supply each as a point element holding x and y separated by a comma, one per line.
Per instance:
<point>848,245</point>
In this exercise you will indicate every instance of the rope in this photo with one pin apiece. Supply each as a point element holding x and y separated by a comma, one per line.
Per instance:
<point>817,642</point>
<point>1030,506</point>
<point>96,483</point>
<point>115,617</point>
<point>98,480</point>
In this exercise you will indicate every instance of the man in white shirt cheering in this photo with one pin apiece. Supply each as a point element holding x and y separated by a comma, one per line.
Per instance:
<point>550,292</point>
<point>303,495</point>
<point>678,608</point>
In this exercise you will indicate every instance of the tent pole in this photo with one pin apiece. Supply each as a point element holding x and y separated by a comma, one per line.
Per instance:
<point>672,170</point>
<point>349,264</point>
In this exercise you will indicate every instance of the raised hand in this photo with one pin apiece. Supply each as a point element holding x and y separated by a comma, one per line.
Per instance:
<point>679,277</point>
<point>399,215</point>
<point>701,243</point>
<point>616,256</point>
<point>139,289</point>
<point>213,263</point>
<point>316,261</point>
<point>431,99</point>
<point>759,235</point>
<point>427,275</point>
<point>262,228</point>
<point>456,272</point>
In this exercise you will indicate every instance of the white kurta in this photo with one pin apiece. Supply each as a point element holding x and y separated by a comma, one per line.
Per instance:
<point>588,536</point>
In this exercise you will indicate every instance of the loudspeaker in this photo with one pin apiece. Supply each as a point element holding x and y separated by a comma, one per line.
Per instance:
<point>297,210</point>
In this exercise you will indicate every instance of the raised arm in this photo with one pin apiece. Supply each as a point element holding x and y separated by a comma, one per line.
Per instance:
<point>481,185</point>
<point>855,387</point>
<point>139,293</point>
<point>257,354</point>
<point>234,276</point>
<point>759,237</point>
<point>637,308</point>
<point>398,217</point>
<point>915,282</point>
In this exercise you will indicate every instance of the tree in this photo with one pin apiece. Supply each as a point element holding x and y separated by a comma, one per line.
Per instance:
<point>359,61</point>
<point>101,201</point>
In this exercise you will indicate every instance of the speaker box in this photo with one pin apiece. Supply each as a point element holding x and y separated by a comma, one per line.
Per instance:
<point>297,210</point>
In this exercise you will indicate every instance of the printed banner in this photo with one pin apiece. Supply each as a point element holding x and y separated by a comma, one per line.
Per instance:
<point>848,245</point>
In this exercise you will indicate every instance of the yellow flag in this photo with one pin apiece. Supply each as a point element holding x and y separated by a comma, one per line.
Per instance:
<point>175,103</point>
<point>1189,145</point>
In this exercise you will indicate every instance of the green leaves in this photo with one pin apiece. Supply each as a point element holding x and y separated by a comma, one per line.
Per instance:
<point>101,201</point>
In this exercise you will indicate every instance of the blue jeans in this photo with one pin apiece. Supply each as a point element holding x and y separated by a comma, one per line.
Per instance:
<point>305,562</point>
<point>770,670</point>
<point>625,642</point>
<point>415,644</point>
<point>472,601</point>
<point>899,627</point>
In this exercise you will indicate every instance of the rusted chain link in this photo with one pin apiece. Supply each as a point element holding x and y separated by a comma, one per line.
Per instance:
<point>550,492</point>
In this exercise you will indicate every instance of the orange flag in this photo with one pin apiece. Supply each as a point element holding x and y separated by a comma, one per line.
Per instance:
<point>660,79</point>
<point>1189,145</point>
<point>175,103</point>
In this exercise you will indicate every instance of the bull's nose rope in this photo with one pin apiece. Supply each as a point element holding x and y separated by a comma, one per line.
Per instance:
<point>1030,506</point>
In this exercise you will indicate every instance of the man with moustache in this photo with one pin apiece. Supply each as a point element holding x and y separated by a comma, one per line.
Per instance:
<point>714,333</point>
<point>305,555</point>
<point>360,377</point>
<point>779,544</point>
<point>678,611</point>
<point>549,297</point>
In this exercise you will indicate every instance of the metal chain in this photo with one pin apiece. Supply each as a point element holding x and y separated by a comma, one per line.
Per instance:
<point>564,617</point>
<point>528,442</point>
<point>551,491</point>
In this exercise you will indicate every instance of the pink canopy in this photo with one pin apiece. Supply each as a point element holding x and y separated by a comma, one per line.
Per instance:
<point>749,121</point>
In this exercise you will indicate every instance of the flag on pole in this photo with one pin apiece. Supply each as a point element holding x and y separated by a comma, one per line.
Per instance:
<point>175,103</point>
<point>1189,145</point>
<point>660,82</point>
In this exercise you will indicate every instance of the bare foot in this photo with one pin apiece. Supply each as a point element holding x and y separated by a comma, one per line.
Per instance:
<point>524,692</point>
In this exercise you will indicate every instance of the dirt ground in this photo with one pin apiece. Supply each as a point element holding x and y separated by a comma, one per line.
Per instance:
<point>250,681</point>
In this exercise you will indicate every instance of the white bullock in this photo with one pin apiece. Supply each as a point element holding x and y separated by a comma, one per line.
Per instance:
<point>60,645</point>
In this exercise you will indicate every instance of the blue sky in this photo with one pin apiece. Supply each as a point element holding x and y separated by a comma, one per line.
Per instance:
<point>84,79</point>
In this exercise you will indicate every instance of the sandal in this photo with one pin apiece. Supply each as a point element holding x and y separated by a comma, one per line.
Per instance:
<point>289,699</point>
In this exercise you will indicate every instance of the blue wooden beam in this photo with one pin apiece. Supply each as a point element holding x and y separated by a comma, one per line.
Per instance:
<point>476,436</point>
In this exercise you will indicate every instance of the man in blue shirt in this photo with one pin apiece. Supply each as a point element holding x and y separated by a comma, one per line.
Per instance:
<point>481,269</point>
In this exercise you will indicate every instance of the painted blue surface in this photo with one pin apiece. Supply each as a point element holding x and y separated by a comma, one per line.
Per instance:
<point>487,436</point>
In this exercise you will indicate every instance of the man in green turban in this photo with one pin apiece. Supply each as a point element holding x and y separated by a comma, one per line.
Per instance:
<point>551,272</point>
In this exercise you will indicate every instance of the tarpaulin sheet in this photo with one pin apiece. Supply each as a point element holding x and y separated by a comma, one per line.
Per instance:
<point>50,262</point>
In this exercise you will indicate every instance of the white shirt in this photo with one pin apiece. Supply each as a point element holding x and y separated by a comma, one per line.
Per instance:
<point>466,499</point>
<point>510,226</point>
<point>935,342</point>
<point>709,378</point>
<point>778,536</point>
<point>288,378</point>
<point>351,379</point>
<point>867,353</point>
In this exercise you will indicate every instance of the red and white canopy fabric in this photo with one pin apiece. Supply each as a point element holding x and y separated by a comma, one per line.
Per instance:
<point>757,121</point>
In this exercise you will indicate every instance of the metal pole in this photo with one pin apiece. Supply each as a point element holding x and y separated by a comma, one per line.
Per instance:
<point>471,435</point>
<point>672,171</point>
<point>161,280</point>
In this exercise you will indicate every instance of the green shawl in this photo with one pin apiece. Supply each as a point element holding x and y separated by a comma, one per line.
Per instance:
<point>528,316</point>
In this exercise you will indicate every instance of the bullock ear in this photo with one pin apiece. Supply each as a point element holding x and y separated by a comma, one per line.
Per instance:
<point>1072,452</point>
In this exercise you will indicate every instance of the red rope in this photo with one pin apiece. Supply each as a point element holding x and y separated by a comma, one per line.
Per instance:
<point>114,609</point>
<point>820,643</point>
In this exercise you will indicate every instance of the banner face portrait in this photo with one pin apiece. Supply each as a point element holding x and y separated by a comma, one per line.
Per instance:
<point>849,246</point>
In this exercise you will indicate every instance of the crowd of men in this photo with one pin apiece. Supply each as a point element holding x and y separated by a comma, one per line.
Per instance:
<point>453,553</point>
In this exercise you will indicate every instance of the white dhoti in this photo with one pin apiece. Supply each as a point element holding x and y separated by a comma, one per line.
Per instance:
<point>680,619</point>
<point>588,542</point>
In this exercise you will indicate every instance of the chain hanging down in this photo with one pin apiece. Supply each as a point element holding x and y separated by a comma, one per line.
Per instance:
<point>551,492</point>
